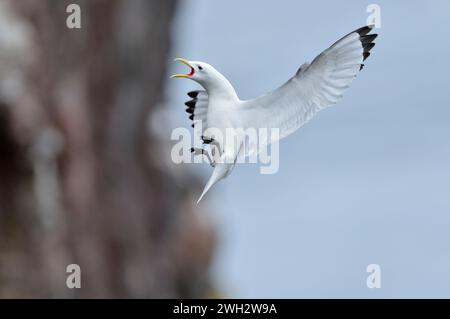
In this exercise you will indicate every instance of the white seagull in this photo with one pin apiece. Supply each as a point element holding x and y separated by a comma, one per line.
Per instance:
<point>314,86</point>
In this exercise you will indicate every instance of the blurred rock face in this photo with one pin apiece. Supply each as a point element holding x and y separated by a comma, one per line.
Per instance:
<point>79,180</point>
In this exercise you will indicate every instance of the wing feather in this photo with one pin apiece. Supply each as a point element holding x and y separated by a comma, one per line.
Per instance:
<point>314,87</point>
<point>197,109</point>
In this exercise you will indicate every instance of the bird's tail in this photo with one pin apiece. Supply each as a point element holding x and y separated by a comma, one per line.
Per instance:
<point>221,170</point>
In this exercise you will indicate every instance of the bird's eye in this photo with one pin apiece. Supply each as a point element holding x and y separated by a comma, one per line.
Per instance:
<point>200,68</point>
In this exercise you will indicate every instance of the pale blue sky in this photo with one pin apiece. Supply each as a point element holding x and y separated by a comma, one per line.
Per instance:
<point>367,181</point>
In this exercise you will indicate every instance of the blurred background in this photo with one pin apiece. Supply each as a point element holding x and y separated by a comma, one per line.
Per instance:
<point>86,175</point>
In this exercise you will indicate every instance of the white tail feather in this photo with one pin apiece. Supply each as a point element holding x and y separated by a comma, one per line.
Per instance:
<point>221,170</point>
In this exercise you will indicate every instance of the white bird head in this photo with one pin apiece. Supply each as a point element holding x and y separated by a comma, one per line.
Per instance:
<point>200,72</point>
<point>208,77</point>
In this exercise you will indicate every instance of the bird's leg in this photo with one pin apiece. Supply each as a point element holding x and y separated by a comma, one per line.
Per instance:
<point>217,146</point>
<point>206,140</point>
<point>214,146</point>
<point>201,151</point>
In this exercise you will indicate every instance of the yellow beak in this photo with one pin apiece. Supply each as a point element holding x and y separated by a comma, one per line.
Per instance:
<point>185,62</point>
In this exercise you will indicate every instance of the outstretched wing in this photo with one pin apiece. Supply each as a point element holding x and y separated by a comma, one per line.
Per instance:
<point>314,87</point>
<point>197,109</point>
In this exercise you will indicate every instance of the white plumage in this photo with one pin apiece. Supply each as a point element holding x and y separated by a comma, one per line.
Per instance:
<point>315,86</point>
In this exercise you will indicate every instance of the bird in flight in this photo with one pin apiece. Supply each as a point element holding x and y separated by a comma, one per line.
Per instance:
<point>314,86</point>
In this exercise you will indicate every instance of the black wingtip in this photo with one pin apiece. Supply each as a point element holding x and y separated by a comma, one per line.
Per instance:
<point>368,38</point>
<point>190,103</point>
<point>193,94</point>
<point>366,41</point>
<point>364,30</point>
<point>190,110</point>
<point>191,117</point>
<point>368,46</point>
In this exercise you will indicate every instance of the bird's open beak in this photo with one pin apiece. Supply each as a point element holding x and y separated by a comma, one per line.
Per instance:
<point>185,62</point>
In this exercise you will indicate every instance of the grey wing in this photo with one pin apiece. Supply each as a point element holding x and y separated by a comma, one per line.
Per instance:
<point>314,87</point>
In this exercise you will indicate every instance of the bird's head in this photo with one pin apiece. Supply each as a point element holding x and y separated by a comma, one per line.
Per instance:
<point>208,77</point>
<point>200,72</point>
